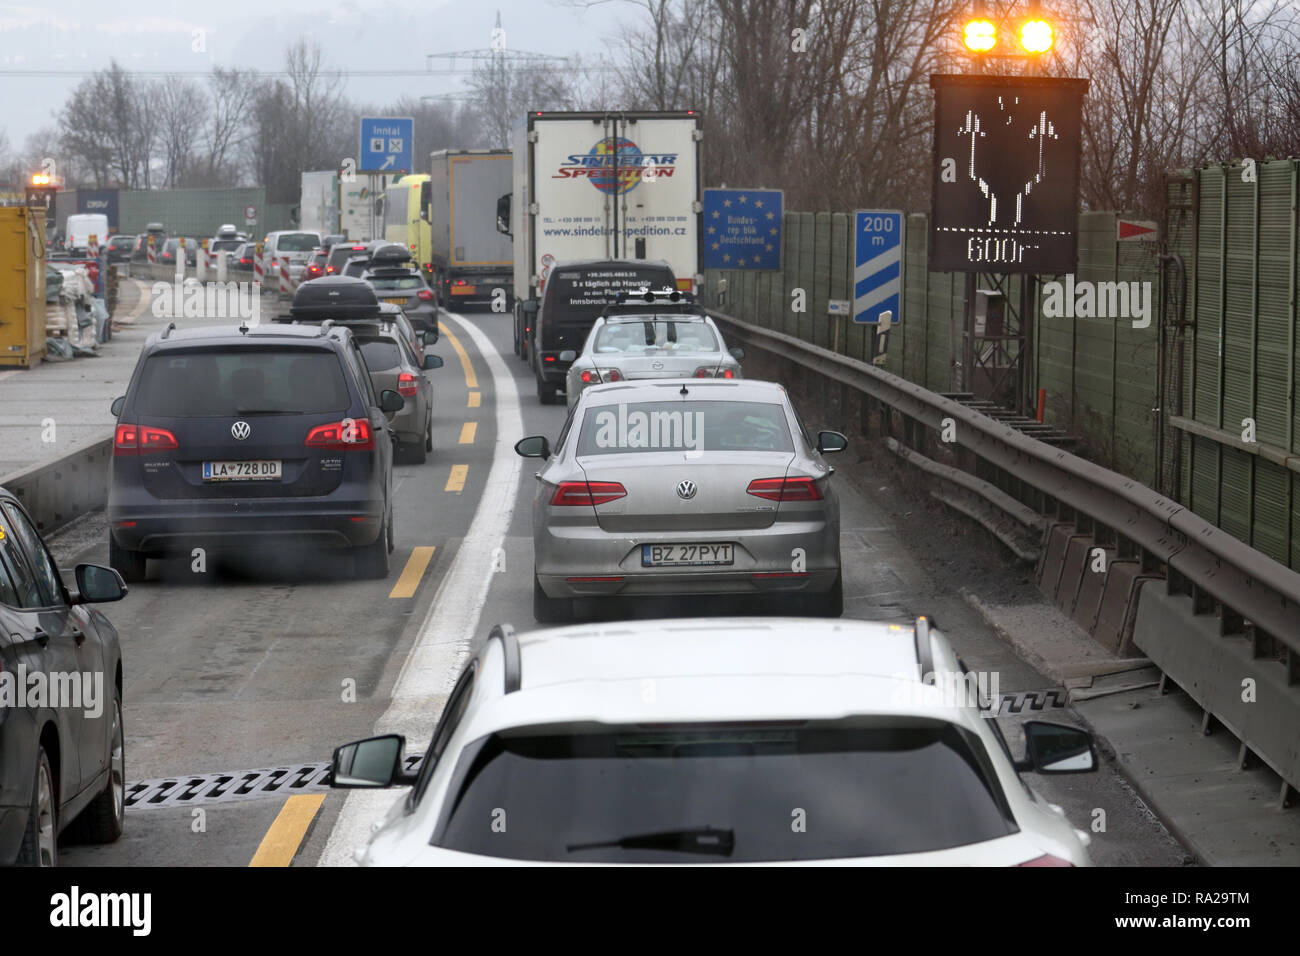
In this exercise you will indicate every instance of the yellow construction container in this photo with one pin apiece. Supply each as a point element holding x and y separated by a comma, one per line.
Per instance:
<point>22,286</point>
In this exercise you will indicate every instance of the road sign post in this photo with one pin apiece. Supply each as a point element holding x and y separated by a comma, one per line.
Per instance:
<point>387,144</point>
<point>877,264</point>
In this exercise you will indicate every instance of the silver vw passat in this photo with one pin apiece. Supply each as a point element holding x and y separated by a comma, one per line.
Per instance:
<point>685,487</point>
<point>672,341</point>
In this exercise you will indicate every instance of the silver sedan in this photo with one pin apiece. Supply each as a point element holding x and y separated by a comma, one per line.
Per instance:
<point>685,487</point>
<point>655,344</point>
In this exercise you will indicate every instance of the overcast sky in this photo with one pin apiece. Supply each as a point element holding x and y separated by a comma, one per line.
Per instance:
<point>81,37</point>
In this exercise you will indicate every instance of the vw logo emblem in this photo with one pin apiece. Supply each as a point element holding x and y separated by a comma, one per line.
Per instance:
<point>240,430</point>
<point>657,366</point>
<point>686,489</point>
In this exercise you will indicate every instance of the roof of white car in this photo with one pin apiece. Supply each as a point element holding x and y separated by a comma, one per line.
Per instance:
<point>707,669</point>
<point>704,647</point>
<point>698,389</point>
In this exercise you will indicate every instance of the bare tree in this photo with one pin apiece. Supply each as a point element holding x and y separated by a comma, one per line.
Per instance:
<point>181,107</point>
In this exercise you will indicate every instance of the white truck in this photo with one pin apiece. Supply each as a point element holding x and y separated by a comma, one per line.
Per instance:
<point>357,211</point>
<point>81,227</point>
<point>608,186</point>
<point>318,208</point>
<point>470,259</point>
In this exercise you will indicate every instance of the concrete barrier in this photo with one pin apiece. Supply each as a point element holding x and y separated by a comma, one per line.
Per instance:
<point>56,492</point>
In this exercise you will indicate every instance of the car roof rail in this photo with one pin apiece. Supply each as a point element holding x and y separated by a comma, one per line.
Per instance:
<point>510,646</point>
<point>924,650</point>
<point>171,327</point>
<point>325,326</point>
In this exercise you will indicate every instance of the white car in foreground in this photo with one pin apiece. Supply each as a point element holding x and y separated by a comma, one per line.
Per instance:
<point>763,740</point>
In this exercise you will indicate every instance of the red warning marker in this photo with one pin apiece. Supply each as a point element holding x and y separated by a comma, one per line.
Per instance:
<point>1136,230</point>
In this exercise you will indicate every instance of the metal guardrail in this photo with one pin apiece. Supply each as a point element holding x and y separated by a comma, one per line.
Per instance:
<point>1248,585</point>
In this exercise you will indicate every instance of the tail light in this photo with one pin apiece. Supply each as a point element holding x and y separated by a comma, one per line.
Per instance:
<point>714,371</point>
<point>460,282</point>
<point>587,492</point>
<point>407,385</point>
<point>594,376</point>
<point>141,439</point>
<point>424,295</point>
<point>1046,860</point>
<point>351,434</point>
<point>428,267</point>
<point>785,489</point>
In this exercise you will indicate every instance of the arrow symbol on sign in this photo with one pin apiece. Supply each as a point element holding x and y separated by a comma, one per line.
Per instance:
<point>388,162</point>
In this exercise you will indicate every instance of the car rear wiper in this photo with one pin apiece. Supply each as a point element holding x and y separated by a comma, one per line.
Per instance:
<point>266,411</point>
<point>707,840</point>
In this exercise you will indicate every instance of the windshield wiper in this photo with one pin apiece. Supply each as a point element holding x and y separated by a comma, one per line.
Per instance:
<point>707,840</point>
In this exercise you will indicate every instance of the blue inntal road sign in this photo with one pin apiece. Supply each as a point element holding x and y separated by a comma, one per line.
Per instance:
<point>386,144</point>
<point>877,264</point>
<point>742,228</point>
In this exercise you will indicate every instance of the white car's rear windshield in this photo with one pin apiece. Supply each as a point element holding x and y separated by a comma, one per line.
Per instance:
<point>297,242</point>
<point>702,426</point>
<point>724,793</point>
<point>655,336</point>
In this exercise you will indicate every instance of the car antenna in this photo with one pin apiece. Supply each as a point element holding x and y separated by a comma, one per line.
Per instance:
<point>685,390</point>
<point>243,326</point>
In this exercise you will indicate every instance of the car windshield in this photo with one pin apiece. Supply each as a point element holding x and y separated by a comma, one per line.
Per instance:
<point>586,292</point>
<point>218,245</point>
<point>297,242</point>
<point>702,426</point>
<point>657,336</point>
<point>727,792</point>
<point>220,382</point>
<point>397,282</point>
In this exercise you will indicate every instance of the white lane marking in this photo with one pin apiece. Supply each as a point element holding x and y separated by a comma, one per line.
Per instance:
<point>146,298</point>
<point>452,621</point>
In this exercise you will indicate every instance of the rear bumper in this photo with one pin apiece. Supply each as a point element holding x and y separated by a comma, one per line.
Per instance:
<point>246,524</point>
<point>553,372</point>
<point>763,561</point>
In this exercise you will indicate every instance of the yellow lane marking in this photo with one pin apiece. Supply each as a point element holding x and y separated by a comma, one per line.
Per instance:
<point>474,399</point>
<point>413,573</point>
<point>467,432</point>
<point>283,839</point>
<point>456,480</point>
<point>465,364</point>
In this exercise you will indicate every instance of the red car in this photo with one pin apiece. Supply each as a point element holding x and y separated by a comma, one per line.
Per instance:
<point>315,267</point>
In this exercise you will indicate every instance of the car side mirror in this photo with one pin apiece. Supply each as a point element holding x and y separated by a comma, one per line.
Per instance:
<point>529,307</point>
<point>118,404</point>
<point>432,361</point>
<point>375,762</point>
<point>568,355</point>
<point>390,401</point>
<point>1057,748</point>
<point>831,441</point>
<point>535,446</point>
<point>97,584</point>
<point>429,338</point>
<point>738,353</point>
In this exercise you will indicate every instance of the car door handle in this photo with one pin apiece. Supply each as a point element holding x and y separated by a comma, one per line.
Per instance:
<point>39,636</point>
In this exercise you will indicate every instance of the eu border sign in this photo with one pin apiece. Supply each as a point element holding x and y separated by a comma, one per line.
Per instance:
<point>742,228</point>
<point>877,264</point>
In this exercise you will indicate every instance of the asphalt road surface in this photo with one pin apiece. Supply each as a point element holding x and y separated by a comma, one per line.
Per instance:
<point>270,664</point>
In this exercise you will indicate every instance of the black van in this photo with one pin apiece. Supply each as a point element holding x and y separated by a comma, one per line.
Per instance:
<point>575,295</point>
